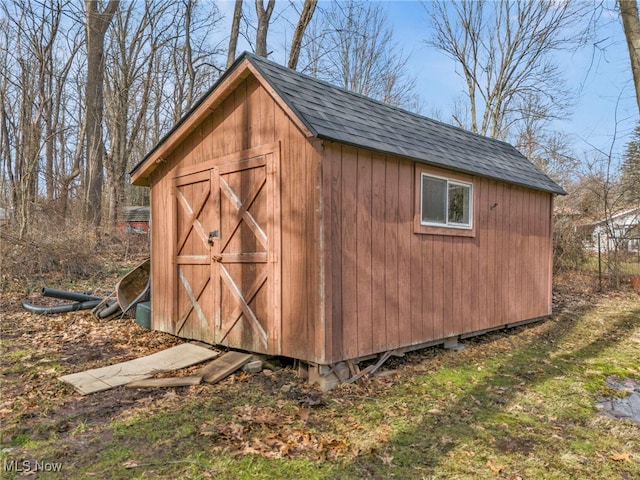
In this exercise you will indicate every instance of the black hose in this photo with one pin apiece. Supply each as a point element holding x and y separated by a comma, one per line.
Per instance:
<point>109,310</point>
<point>64,295</point>
<point>68,307</point>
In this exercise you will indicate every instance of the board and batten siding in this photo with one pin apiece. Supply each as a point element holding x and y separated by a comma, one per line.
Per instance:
<point>388,286</point>
<point>246,119</point>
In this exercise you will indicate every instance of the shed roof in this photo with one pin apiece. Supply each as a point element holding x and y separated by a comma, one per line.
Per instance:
<point>135,213</point>
<point>332,113</point>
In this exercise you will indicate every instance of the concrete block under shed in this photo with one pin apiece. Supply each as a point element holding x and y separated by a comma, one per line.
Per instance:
<point>327,377</point>
<point>451,343</point>
<point>253,367</point>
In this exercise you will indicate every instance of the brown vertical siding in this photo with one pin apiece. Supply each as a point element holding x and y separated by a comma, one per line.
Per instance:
<point>332,234</point>
<point>405,239</point>
<point>387,233</point>
<point>416,285</point>
<point>348,252</point>
<point>450,286</point>
<point>162,277</point>
<point>500,279</point>
<point>247,118</point>
<point>381,283</point>
<point>364,257</point>
<point>393,287</point>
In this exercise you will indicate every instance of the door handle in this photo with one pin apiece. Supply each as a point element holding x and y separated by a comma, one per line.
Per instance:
<point>213,234</point>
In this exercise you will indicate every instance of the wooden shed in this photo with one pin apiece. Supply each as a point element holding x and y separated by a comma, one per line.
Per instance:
<point>134,219</point>
<point>294,218</point>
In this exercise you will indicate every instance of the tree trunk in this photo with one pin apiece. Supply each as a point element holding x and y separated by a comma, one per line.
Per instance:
<point>296,43</point>
<point>631,25</point>
<point>235,30</point>
<point>97,24</point>
<point>264,15</point>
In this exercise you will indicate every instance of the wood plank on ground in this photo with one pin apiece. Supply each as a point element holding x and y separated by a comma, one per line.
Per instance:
<point>98,379</point>
<point>166,382</point>
<point>223,366</point>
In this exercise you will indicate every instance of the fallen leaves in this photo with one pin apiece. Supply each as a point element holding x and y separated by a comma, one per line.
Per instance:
<point>387,459</point>
<point>232,432</point>
<point>260,415</point>
<point>273,433</point>
<point>37,349</point>
<point>274,415</point>
<point>620,457</point>
<point>494,468</point>
<point>291,443</point>
<point>129,464</point>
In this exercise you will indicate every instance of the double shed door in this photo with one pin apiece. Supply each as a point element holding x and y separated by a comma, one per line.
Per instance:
<point>227,247</point>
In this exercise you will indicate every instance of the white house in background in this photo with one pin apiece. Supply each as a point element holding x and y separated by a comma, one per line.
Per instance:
<point>622,228</point>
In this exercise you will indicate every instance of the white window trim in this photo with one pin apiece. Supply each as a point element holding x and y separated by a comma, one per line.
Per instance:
<point>448,224</point>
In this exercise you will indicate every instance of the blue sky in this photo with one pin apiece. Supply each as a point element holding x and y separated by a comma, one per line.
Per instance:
<point>600,78</point>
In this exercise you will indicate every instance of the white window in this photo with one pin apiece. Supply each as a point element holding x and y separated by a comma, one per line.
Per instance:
<point>445,202</point>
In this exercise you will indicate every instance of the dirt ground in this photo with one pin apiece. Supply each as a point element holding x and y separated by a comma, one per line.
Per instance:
<point>75,341</point>
<point>36,350</point>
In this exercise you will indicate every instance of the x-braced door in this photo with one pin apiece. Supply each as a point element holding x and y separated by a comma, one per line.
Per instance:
<point>228,254</point>
<point>195,217</point>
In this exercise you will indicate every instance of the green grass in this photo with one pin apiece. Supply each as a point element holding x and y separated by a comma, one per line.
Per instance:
<point>631,267</point>
<point>511,405</point>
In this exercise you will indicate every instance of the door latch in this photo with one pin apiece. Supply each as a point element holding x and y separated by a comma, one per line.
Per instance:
<point>213,234</point>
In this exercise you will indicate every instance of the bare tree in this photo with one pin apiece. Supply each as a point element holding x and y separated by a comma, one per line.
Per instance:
<point>190,57</point>
<point>353,46</point>
<point>97,23</point>
<point>22,116</point>
<point>296,43</point>
<point>503,50</point>
<point>258,27</point>
<point>21,125</point>
<point>6,160</point>
<point>314,45</point>
<point>38,54</point>
<point>549,150</point>
<point>166,43</point>
<point>129,63</point>
<point>631,24</point>
<point>604,196</point>
<point>235,31</point>
<point>605,188</point>
<point>264,17</point>
<point>64,123</point>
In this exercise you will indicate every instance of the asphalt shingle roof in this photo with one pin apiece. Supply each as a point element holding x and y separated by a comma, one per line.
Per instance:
<point>333,113</point>
<point>336,114</point>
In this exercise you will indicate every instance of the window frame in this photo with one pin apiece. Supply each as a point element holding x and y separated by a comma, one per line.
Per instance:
<point>448,228</point>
